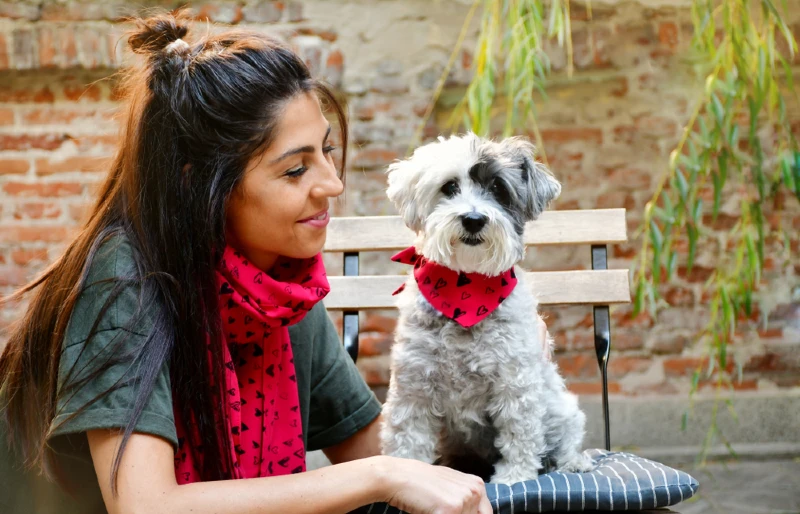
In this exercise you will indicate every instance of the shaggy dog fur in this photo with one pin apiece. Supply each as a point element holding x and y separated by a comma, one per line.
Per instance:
<point>483,399</point>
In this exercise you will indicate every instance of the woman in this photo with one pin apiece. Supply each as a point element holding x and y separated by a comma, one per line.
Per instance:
<point>180,342</point>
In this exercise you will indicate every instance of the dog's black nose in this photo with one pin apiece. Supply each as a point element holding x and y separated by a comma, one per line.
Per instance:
<point>473,222</point>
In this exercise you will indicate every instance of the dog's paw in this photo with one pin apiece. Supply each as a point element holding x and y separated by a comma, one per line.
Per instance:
<point>506,474</point>
<point>579,463</point>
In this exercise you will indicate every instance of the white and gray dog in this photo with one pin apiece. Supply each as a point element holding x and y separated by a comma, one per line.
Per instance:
<point>487,393</point>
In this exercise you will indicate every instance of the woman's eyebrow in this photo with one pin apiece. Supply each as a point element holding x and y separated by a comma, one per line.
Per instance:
<point>302,149</point>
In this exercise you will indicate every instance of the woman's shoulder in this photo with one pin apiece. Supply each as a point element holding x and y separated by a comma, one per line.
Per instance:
<point>113,258</point>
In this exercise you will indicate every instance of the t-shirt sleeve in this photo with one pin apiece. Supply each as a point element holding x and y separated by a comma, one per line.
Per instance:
<point>341,402</point>
<point>101,376</point>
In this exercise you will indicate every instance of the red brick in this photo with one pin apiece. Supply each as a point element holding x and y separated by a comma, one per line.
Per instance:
<point>766,363</point>
<point>25,256</point>
<point>578,365</point>
<point>57,116</point>
<point>26,233</point>
<point>47,46</point>
<point>624,318</point>
<point>335,60</point>
<point>79,212</point>
<point>42,95</point>
<point>326,35</point>
<point>14,166</point>
<point>624,251</point>
<point>630,178</point>
<point>25,54</point>
<point>668,34</point>
<point>678,296</point>
<point>3,53</point>
<point>723,222</point>
<point>17,10</point>
<point>593,388</point>
<point>657,126</point>
<point>374,157</point>
<point>373,344</point>
<point>615,199</point>
<point>682,366</point>
<point>669,344</point>
<point>85,142</point>
<point>568,135</point>
<point>43,189</point>
<point>77,92</point>
<point>378,323</point>
<point>13,276</point>
<point>31,141</point>
<point>698,273</point>
<point>219,13</point>
<point>36,210</point>
<point>622,365</point>
<point>83,164</point>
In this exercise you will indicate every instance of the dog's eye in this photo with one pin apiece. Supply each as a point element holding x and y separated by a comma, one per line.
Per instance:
<point>450,188</point>
<point>497,188</point>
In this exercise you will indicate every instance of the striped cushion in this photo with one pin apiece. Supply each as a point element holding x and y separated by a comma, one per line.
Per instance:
<point>620,481</point>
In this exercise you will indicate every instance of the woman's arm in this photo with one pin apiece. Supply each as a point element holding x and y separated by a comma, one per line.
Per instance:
<point>364,443</point>
<point>146,484</point>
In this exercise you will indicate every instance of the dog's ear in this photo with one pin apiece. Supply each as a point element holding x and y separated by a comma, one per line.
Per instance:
<point>403,178</point>
<point>540,187</point>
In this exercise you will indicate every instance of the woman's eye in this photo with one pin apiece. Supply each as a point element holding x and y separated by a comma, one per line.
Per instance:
<point>450,188</point>
<point>328,149</point>
<point>296,172</point>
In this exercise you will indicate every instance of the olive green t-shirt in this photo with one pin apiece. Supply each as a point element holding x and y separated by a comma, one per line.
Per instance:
<point>335,402</point>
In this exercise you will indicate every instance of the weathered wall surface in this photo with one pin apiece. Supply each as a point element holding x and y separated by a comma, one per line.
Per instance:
<point>607,131</point>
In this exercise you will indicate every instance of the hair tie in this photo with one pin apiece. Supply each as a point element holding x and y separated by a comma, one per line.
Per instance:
<point>179,45</point>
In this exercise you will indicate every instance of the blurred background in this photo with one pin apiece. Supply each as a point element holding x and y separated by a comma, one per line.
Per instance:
<point>671,109</point>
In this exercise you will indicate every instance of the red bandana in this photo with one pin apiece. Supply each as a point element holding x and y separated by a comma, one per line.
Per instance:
<point>466,298</point>
<point>264,426</point>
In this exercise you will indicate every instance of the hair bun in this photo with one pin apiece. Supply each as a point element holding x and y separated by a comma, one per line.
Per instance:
<point>155,33</point>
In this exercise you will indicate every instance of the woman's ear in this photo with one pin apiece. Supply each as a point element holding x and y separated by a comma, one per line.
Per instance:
<point>403,178</point>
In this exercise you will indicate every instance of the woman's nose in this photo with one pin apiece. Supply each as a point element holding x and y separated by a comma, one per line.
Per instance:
<point>329,184</point>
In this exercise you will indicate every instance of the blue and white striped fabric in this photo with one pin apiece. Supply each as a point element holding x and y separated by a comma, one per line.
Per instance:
<point>620,481</point>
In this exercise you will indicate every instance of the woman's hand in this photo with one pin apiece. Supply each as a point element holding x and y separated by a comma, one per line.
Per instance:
<point>420,488</point>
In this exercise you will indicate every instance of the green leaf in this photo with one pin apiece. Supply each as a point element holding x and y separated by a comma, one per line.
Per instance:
<point>723,354</point>
<point>727,309</point>
<point>638,305</point>
<point>716,108</point>
<point>655,236</point>
<point>684,420</point>
<point>697,212</point>
<point>683,186</point>
<point>672,264</point>
<point>717,178</point>
<point>692,231</point>
<point>787,173</point>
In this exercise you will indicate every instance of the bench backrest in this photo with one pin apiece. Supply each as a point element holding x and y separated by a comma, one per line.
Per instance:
<point>587,287</point>
<point>598,287</point>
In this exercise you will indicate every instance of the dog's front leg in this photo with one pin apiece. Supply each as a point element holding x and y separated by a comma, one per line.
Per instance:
<point>520,434</point>
<point>410,428</point>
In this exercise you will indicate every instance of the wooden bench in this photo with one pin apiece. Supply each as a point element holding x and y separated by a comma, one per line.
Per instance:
<point>598,287</point>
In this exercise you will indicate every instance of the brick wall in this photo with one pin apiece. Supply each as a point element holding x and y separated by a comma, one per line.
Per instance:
<point>607,133</point>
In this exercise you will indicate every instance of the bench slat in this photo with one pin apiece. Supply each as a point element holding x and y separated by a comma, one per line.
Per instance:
<point>583,287</point>
<point>585,226</point>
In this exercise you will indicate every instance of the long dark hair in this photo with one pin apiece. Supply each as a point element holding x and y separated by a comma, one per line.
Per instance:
<point>197,113</point>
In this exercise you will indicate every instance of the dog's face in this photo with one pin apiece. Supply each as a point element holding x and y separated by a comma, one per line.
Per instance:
<point>468,200</point>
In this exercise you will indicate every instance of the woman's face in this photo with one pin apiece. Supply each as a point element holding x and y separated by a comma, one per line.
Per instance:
<point>281,205</point>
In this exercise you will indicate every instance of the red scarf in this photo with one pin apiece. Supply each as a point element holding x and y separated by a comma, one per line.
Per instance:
<point>466,298</point>
<point>264,426</point>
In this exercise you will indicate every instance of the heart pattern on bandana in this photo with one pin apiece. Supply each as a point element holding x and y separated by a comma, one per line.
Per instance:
<point>263,429</point>
<point>466,298</point>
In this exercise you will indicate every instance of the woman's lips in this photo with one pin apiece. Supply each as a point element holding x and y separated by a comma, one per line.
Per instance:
<point>319,220</point>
